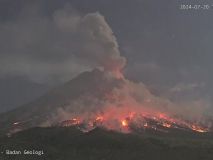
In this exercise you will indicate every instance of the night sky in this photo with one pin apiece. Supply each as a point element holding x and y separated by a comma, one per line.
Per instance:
<point>168,49</point>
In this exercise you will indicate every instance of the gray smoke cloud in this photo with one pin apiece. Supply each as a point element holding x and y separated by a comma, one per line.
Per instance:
<point>59,47</point>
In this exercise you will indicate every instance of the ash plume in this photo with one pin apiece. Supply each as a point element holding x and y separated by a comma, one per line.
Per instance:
<point>57,48</point>
<point>99,47</point>
<point>84,43</point>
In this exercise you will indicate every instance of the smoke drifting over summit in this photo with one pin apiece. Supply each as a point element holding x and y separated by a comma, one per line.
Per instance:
<point>95,42</point>
<point>56,48</point>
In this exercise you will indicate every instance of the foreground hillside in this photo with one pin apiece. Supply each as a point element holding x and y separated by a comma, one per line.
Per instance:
<point>98,144</point>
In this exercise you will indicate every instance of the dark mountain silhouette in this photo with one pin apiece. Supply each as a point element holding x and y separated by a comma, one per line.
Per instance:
<point>94,83</point>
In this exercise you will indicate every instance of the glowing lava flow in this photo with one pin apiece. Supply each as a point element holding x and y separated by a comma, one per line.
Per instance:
<point>124,123</point>
<point>71,122</point>
<point>99,119</point>
<point>199,129</point>
<point>167,125</point>
<point>157,122</point>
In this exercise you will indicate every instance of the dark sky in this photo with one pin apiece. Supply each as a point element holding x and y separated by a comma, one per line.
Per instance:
<point>166,48</point>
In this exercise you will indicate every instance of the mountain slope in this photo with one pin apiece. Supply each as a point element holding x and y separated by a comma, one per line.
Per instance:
<point>98,98</point>
<point>94,83</point>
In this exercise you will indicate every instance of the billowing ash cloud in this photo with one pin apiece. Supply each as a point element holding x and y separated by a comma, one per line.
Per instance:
<point>58,47</point>
<point>94,41</point>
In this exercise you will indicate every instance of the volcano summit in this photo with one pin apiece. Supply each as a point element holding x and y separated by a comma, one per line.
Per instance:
<point>100,99</point>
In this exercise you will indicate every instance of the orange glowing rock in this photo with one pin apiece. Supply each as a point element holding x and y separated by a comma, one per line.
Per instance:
<point>124,123</point>
<point>198,129</point>
<point>99,118</point>
<point>75,121</point>
<point>167,125</point>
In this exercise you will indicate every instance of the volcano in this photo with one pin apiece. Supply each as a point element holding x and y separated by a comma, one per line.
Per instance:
<point>97,99</point>
<point>99,115</point>
<point>93,84</point>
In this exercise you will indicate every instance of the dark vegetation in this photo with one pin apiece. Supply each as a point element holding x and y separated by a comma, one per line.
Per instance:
<point>71,144</point>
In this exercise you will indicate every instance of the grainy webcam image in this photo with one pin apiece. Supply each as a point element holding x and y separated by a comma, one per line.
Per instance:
<point>106,80</point>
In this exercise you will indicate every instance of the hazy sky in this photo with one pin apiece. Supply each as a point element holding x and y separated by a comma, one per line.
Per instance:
<point>166,48</point>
